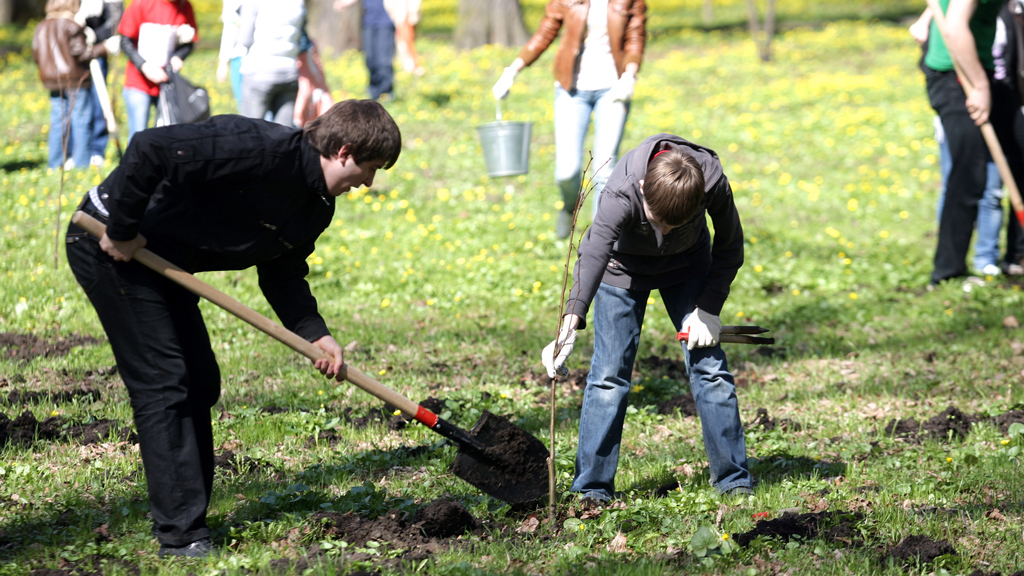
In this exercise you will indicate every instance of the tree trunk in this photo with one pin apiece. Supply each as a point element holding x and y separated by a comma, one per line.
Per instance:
<point>483,22</point>
<point>334,30</point>
<point>709,12</point>
<point>6,11</point>
<point>762,34</point>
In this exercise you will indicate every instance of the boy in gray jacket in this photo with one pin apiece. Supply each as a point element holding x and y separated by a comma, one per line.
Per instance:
<point>650,233</point>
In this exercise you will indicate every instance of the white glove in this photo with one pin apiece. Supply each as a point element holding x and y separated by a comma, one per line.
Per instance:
<point>703,329</point>
<point>565,341</point>
<point>113,45</point>
<point>90,35</point>
<point>502,86</point>
<point>622,90</point>
<point>186,34</point>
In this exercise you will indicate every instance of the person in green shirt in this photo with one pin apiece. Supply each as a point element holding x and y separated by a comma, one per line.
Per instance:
<point>970,28</point>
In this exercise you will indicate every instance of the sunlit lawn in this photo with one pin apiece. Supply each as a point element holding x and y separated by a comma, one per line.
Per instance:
<point>446,283</point>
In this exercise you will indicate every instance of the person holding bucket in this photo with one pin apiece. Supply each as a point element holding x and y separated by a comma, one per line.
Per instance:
<point>595,73</point>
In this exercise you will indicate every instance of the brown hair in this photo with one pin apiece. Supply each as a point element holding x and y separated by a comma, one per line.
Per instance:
<point>364,125</point>
<point>674,187</point>
<point>53,6</point>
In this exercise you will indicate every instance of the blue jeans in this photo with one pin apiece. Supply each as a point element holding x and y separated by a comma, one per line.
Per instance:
<point>572,118</point>
<point>990,208</point>
<point>138,104</point>
<point>100,136</point>
<point>618,316</point>
<point>379,49</point>
<point>70,125</point>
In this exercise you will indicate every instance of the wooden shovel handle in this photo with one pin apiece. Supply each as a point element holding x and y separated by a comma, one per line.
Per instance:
<point>261,322</point>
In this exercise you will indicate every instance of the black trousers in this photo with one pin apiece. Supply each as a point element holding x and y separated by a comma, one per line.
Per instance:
<point>164,356</point>
<point>966,183</point>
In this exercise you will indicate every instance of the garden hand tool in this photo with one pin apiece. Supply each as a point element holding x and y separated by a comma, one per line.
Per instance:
<point>736,335</point>
<point>994,148</point>
<point>495,456</point>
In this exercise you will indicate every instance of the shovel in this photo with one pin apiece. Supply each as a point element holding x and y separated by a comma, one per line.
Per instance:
<point>496,456</point>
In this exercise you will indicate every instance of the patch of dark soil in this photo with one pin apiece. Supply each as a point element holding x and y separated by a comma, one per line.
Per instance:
<point>659,367</point>
<point>59,397</point>
<point>684,403</point>
<point>768,423</point>
<point>666,489</point>
<point>377,415</point>
<point>25,429</point>
<point>444,518</point>
<point>950,423</point>
<point>1004,420</point>
<point>232,464</point>
<point>91,566</point>
<point>832,526</point>
<point>25,347</point>
<point>980,573</point>
<point>918,550</point>
<point>428,530</point>
<point>274,409</point>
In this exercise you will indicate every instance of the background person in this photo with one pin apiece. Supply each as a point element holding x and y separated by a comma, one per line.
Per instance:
<point>595,73</point>
<point>651,233</point>
<point>378,32</point>
<point>255,194</point>
<point>971,26</point>
<point>100,19</point>
<point>229,56</point>
<point>154,33</point>
<point>271,31</point>
<point>61,52</point>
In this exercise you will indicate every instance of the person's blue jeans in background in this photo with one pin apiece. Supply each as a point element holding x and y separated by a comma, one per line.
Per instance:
<point>572,119</point>
<point>100,136</point>
<point>235,74</point>
<point>379,49</point>
<point>70,125</point>
<point>138,105</point>
<point>990,208</point>
<point>618,317</point>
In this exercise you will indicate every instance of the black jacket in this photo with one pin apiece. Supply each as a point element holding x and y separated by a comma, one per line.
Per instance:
<point>227,194</point>
<point>622,249</point>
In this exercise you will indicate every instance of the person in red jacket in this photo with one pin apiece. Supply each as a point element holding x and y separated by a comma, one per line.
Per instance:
<point>154,34</point>
<point>62,53</point>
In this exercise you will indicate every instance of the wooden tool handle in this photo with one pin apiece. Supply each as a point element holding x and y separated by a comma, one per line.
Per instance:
<point>261,322</point>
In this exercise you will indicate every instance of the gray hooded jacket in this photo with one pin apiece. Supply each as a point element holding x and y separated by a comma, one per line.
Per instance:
<point>624,250</point>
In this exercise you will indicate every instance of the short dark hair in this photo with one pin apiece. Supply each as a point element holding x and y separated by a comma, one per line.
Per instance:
<point>364,125</point>
<point>674,187</point>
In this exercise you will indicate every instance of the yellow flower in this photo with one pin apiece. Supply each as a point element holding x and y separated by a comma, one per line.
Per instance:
<point>725,536</point>
<point>949,459</point>
<point>1004,442</point>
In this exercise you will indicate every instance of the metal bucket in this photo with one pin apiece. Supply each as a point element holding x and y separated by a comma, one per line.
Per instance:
<point>506,147</point>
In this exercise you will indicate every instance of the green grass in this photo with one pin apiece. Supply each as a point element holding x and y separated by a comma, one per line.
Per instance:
<point>447,284</point>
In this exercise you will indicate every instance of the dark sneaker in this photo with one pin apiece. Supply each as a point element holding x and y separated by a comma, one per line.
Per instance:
<point>198,549</point>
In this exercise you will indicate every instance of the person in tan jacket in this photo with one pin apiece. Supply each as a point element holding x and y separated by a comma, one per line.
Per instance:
<point>595,73</point>
<point>62,53</point>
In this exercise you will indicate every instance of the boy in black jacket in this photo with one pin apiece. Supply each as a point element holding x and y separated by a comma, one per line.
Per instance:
<point>226,194</point>
<point>649,234</point>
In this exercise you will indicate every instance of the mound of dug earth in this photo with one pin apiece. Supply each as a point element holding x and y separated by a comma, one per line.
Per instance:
<point>836,527</point>
<point>684,403</point>
<point>768,423</point>
<point>918,550</point>
<point>420,533</point>
<point>25,347</point>
<point>26,428</point>
<point>950,423</point>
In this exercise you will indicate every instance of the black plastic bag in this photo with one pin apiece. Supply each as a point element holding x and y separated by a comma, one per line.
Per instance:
<point>180,102</point>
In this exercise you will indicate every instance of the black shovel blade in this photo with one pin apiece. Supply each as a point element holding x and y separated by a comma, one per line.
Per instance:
<point>513,467</point>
